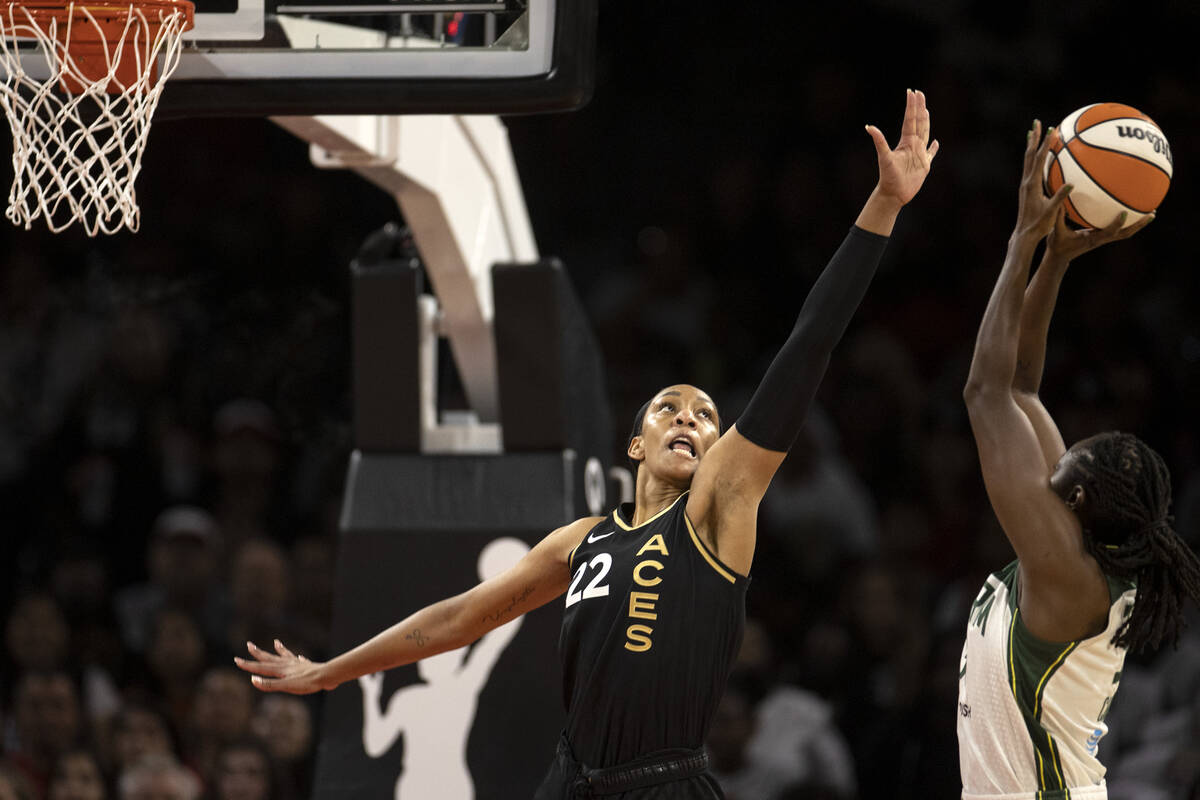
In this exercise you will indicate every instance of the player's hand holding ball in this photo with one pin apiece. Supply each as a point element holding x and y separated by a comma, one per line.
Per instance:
<point>1036,213</point>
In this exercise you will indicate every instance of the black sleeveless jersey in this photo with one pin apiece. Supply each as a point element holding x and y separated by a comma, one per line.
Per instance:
<point>652,624</point>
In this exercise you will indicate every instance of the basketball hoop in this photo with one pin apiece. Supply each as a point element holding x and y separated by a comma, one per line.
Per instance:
<point>80,104</point>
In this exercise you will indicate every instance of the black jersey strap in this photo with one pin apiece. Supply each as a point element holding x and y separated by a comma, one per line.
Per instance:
<point>775,413</point>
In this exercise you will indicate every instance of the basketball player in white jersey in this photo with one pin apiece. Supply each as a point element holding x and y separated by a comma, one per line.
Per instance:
<point>1099,570</point>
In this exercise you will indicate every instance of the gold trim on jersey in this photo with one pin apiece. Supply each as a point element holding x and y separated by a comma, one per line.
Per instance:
<point>712,562</point>
<point>621,523</point>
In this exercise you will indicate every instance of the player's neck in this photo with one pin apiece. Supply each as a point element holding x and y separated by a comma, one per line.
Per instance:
<point>652,497</point>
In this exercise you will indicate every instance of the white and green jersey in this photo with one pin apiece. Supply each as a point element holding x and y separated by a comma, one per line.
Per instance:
<point>1030,712</point>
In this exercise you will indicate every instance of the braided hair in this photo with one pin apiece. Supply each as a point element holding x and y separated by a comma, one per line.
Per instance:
<point>1128,531</point>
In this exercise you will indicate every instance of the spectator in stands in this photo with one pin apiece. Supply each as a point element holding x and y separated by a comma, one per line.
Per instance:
<point>258,590</point>
<point>140,731</point>
<point>247,458</point>
<point>13,785</point>
<point>220,715</point>
<point>48,722</point>
<point>183,558</point>
<point>80,584</point>
<point>741,775</point>
<point>158,778</point>
<point>794,729</point>
<point>176,658</point>
<point>244,772</point>
<point>285,724</point>
<point>36,633</point>
<point>77,776</point>
<point>312,561</point>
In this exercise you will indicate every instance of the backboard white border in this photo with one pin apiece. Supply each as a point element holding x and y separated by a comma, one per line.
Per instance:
<point>333,63</point>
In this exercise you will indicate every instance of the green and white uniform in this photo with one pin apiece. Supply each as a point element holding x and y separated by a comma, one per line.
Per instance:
<point>1030,712</point>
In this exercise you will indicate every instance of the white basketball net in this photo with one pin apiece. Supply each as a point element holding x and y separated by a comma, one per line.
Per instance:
<point>76,155</point>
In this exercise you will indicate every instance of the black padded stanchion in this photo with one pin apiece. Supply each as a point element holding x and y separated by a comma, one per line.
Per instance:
<point>482,721</point>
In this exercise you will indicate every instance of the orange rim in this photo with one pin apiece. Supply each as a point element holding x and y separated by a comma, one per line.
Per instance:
<point>88,32</point>
<point>47,10</point>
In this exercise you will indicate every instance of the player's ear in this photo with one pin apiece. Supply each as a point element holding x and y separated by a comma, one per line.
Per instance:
<point>637,448</point>
<point>1075,497</point>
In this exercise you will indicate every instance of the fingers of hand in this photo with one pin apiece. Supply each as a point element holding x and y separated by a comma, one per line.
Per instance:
<point>909,128</point>
<point>922,117</point>
<point>1060,222</point>
<point>1044,148</point>
<point>265,684</point>
<point>259,653</point>
<point>259,667</point>
<point>881,145</point>
<point>1061,195</point>
<point>1035,163</point>
<point>283,651</point>
<point>1033,139</point>
<point>1113,228</point>
<point>933,150</point>
<point>1137,226</point>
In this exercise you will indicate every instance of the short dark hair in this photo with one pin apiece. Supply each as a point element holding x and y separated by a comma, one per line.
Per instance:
<point>1128,530</point>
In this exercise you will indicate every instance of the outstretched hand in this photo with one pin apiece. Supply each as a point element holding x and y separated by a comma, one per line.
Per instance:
<point>282,671</point>
<point>1036,213</point>
<point>902,171</point>
<point>1066,243</point>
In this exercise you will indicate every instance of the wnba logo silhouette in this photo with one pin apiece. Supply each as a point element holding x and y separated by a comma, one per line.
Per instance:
<point>436,716</point>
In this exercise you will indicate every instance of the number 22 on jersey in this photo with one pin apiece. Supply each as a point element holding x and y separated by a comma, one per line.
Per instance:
<point>602,563</point>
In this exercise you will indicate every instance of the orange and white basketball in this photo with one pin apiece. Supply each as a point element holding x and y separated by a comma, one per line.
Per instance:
<point>1116,158</point>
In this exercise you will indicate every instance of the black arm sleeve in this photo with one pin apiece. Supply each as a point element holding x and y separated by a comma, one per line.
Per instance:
<point>775,413</point>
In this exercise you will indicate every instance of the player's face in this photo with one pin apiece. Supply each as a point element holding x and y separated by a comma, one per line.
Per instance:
<point>679,428</point>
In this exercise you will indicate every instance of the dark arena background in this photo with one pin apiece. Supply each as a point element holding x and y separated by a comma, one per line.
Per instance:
<point>203,367</point>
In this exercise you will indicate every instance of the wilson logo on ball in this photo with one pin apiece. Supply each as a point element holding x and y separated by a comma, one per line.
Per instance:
<point>1160,144</point>
<point>1117,159</point>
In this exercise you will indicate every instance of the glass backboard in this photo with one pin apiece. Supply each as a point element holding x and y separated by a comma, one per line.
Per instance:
<point>304,57</point>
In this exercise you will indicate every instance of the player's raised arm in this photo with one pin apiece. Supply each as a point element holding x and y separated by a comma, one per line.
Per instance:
<point>1063,245</point>
<point>735,474</point>
<point>539,577</point>
<point>1010,454</point>
<point>1063,592</point>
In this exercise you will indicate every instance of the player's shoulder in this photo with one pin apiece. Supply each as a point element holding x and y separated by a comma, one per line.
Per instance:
<point>582,525</point>
<point>573,531</point>
<point>563,541</point>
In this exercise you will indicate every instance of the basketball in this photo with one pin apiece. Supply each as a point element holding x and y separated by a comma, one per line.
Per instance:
<point>1117,159</point>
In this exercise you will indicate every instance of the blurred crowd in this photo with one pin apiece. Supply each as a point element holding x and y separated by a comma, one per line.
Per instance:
<point>124,687</point>
<point>156,519</point>
<point>174,415</point>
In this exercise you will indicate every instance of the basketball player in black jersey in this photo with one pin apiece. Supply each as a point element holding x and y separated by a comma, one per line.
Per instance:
<point>655,591</point>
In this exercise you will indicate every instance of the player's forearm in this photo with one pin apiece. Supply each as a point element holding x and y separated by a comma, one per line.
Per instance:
<point>879,214</point>
<point>432,630</point>
<point>994,363</point>
<point>777,410</point>
<point>1036,312</point>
